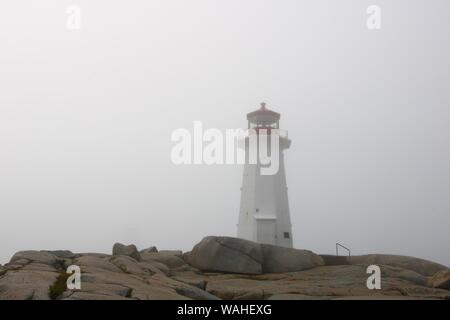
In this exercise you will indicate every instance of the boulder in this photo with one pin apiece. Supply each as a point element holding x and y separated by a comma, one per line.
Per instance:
<point>225,254</point>
<point>279,259</point>
<point>441,280</point>
<point>421,266</point>
<point>149,250</point>
<point>123,250</point>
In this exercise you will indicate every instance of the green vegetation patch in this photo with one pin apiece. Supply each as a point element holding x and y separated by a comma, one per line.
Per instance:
<point>60,285</point>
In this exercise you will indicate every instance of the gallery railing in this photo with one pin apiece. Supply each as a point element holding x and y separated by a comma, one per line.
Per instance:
<point>343,247</point>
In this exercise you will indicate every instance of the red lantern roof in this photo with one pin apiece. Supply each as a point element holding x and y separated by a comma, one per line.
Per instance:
<point>263,114</point>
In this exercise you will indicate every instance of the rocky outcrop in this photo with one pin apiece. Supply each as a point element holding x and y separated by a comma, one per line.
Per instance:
<point>31,274</point>
<point>249,272</point>
<point>167,258</point>
<point>25,257</point>
<point>26,284</point>
<point>325,282</point>
<point>225,254</point>
<point>421,266</point>
<point>123,250</point>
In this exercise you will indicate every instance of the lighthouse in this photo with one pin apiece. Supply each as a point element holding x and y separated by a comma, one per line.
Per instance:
<point>264,209</point>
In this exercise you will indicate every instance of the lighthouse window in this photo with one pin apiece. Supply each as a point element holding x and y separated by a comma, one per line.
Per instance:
<point>286,235</point>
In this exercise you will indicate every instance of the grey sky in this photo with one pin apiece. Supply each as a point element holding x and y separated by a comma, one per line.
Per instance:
<point>86,118</point>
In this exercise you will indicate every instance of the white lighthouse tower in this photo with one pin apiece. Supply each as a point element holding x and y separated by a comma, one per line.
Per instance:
<point>264,210</point>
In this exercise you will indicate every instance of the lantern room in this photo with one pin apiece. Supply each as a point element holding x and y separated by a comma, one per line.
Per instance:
<point>263,118</point>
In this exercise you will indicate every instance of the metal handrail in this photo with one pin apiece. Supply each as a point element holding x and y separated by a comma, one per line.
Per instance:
<point>344,247</point>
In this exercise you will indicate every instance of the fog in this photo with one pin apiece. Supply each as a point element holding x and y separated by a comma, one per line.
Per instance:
<point>86,118</point>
